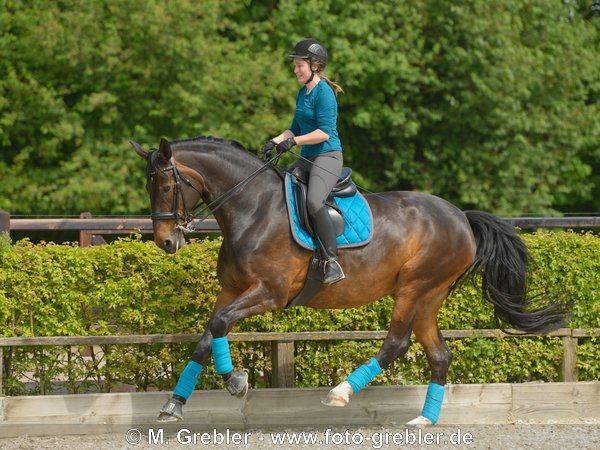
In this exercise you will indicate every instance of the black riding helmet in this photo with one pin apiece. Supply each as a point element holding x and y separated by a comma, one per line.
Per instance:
<point>310,49</point>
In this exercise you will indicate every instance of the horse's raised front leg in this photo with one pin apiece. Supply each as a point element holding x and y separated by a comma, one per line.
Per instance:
<point>214,340</point>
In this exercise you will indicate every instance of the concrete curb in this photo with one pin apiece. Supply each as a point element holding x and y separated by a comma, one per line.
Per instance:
<point>293,408</point>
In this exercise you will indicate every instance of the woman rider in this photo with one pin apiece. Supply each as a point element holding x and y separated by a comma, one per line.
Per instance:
<point>314,127</point>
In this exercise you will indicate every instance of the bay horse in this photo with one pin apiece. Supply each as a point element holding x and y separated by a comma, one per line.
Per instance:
<point>422,246</point>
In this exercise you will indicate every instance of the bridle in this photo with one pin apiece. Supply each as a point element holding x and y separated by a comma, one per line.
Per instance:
<point>182,221</point>
<point>185,221</point>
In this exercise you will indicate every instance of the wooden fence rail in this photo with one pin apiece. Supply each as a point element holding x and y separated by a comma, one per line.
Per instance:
<point>89,226</point>
<point>282,344</point>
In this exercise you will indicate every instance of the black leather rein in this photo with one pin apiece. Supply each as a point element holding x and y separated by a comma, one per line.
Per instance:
<point>185,221</point>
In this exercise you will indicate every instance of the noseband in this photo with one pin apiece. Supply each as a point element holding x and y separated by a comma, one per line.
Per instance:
<point>184,221</point>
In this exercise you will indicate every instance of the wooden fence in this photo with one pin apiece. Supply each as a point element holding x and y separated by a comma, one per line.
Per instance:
<point>92,228</point>
<point>282,345</point>
<point>89,226</point>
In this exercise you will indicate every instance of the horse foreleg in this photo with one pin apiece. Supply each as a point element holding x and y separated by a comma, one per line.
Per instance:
<point>214,340</point>
<point>235,382</point>
<point>173,409</point>
<point>395,345</point>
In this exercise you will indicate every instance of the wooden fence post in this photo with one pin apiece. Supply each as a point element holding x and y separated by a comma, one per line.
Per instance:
<point>1,369</point>
<point>282,360</point>
<point>569,359</point>
<point>85,237</point>
<point>5,222</point>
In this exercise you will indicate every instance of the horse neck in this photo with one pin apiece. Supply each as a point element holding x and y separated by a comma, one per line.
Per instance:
<point>223,167</point>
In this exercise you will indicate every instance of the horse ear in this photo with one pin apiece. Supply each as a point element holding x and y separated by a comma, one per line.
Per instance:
<point>165,149</point>
<point>139,150</point>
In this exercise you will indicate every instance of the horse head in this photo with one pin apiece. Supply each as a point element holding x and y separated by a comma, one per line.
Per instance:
<point>174,191</point>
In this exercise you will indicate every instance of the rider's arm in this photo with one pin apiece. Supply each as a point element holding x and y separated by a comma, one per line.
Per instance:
<point>314,137</point>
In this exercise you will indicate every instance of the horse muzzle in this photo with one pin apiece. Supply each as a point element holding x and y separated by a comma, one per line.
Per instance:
<point>172,242</point>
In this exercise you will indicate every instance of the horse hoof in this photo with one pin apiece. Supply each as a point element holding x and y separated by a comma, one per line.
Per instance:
<point>334,400</point>
<point>237,384</point>
<point>420,422</point>
<point>339,396</point>
<point>172,411</point>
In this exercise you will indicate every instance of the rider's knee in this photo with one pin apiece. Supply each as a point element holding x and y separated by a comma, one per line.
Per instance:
<point>314,205</point>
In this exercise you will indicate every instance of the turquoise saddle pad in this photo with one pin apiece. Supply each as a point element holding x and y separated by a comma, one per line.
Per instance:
<point>358,220</point>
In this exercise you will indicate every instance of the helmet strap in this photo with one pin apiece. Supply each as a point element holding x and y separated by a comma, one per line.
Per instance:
<point>312,73</point>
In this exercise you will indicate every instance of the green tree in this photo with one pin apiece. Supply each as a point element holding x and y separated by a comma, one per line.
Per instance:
<point>492,105</point>
<point>484,103</point>
<point>79,79</point>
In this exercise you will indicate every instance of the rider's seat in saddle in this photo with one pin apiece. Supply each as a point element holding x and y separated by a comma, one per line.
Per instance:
<point>344,187</point>
<point>349,211</point>
<point>350,214</point>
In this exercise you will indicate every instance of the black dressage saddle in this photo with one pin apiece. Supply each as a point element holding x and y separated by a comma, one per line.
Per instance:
<point>345,187</point>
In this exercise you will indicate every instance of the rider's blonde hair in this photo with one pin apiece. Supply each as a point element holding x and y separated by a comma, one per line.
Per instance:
<point>337,89</point>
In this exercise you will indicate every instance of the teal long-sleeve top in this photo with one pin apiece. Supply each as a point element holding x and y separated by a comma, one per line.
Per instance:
<point>317,110</point>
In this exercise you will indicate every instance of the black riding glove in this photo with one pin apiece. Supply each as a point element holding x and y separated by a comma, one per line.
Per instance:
<point>268,149</point>
<point>285,146</point>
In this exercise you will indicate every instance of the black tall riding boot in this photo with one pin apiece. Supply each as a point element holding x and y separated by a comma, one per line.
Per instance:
<point>326,233</point>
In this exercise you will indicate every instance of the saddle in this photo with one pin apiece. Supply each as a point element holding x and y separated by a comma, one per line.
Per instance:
<point>350,214</point>
<point>344,188</point>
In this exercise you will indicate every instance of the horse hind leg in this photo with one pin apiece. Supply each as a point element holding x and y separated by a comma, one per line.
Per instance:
<point>395,345</point>
<point>439,357</point>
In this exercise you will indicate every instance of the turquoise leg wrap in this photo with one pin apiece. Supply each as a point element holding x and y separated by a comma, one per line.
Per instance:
<point>220,349</point>
<point>433,402</point>
<point>364,375</point>
<point>188,379</point>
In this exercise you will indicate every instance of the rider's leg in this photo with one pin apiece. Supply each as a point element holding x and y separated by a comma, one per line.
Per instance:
<point>324,174</point>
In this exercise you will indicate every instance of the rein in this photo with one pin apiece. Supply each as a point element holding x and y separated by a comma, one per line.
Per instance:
<point>184,221</point>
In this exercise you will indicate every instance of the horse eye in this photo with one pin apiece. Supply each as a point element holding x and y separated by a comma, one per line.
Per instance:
<point>166,188</point>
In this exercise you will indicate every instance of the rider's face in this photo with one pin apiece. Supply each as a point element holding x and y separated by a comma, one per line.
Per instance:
<point>302,70</point>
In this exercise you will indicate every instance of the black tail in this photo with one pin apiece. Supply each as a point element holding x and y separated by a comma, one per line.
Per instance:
<point>503,261</point>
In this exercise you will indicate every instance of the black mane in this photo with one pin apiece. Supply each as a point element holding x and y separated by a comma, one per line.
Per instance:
<point>211,139</point>
<point>244,157</point>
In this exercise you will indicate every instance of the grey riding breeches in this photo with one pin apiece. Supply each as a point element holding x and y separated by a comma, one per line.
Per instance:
<point>324,173</point>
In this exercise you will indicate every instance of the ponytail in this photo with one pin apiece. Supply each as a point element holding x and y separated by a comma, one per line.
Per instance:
<point>336,87</point>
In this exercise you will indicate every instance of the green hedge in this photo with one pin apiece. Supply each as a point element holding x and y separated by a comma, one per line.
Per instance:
<point>132,287</point>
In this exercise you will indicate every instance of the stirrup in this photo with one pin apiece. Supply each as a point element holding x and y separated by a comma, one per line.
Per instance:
<point>333,271</point>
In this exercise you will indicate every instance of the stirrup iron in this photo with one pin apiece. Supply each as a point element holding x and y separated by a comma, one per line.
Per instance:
<point>333,271</point>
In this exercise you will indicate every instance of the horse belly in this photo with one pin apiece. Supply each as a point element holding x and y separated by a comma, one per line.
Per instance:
<point>362,285</point>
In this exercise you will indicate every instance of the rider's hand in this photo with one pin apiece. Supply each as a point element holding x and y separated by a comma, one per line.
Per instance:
<point>284,146</point>
<point>268,149</point>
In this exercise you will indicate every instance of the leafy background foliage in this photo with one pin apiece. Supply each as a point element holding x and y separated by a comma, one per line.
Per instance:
<point>132,287</point>
<point>492,105</point>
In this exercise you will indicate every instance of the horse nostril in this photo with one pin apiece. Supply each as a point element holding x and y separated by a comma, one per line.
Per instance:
<point>168,245</point>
